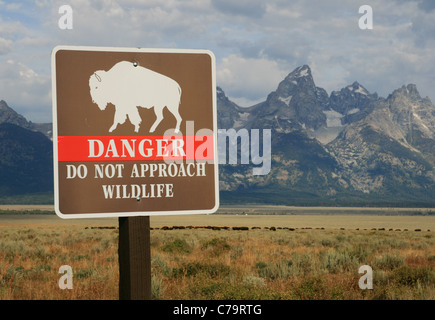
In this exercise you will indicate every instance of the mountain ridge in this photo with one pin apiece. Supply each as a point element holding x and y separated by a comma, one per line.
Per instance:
<point>9,115</point>
<point>349,147</point>
<point>376,149</point>
<point>26,164</point>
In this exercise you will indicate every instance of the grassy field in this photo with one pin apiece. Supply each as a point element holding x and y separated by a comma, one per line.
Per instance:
<point>278,257</point>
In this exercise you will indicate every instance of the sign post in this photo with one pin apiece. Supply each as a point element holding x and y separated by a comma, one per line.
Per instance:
<point>134,256</point>
<point>134,136</point>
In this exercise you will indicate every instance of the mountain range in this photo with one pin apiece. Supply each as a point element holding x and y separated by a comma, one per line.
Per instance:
<point>350,147</point>
<point>26,155</point>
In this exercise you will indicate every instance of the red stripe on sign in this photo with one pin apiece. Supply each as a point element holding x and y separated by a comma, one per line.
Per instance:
<point>128,148</point>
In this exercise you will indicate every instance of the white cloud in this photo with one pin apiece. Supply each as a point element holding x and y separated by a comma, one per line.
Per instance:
<point>248,80</point>
<point>248,8</point>
<point>14,6</point>
<point>257,43</point>
<point>11,28</point>
<point>25,90</point>
<point>5,46</point>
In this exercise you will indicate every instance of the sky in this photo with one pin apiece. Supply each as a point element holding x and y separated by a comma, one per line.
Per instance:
<point>256,42</point>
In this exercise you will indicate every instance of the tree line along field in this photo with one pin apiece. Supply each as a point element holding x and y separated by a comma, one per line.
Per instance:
<point>277,257</point>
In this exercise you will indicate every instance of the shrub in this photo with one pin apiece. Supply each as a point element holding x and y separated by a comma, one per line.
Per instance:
<point>388,262</point>
<point>361,253</point>
<point>284,268</point>
<point>159,264</point>
<point>311,289</point>
<point>228,290</point>
<point>339,261</point>
<point>278,270</point>
<point>303,264</point>
<point>237,252</point>
<point>80,257</point>
<point>380,278</point>
<point>211,289</point>
<point>408,276</point>
<point>85,273</point>
<point>251,280</point>
<point>340,237</point>
<point>217,246</point>
<point>327,243</point>
<point>260,265</point>
<point>178,246</point>
<point>157,287</point>
<point>192,269</point>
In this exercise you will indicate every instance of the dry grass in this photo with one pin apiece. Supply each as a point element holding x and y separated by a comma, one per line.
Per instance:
<point>30,259</point>
<point>226,264</point>
<point>300,264</point>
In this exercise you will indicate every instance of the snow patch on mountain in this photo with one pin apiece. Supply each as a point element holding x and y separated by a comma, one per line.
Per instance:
<point>286,100</point>
<point>303,73</point>
<point>333,118</point>
<point>352,111</point>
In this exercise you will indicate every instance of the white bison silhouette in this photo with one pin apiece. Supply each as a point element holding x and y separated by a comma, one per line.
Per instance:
<point>129,86</point>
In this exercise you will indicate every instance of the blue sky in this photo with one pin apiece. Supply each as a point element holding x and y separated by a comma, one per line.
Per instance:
<point>256,42</point>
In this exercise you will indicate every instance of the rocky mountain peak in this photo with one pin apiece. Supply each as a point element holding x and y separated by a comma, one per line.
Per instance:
<point>302,71</point>
<point>8,115</point>
<point>413,115</point>
<point>353,102</point>
<point>357,88</point>
<point>229,114</point>
<point>409,91</point>
<point>220,93</point>
<point>299,101</point>
<point>407,99</point>
<point>295,80</point>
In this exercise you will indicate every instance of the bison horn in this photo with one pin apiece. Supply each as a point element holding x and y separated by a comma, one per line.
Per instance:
<point>98,77</point>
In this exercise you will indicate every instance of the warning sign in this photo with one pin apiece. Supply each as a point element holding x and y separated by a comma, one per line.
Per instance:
<point>134,132</point>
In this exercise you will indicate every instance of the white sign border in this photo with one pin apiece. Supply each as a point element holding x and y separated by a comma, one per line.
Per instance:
<point>55,136</point>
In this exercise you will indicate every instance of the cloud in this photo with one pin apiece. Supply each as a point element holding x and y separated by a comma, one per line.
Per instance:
<point>11,28</point>
<point>256,43</point>
<point>13,6</point>
<point>25,90</point>
<point>248,80</point>
<point>5,46</point>
<point>423,27</point>
<point>426,5</point>
<point>133,23</point>
<point>248,8</point>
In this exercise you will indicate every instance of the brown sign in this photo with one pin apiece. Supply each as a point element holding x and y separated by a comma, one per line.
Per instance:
<point>134,132</point>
